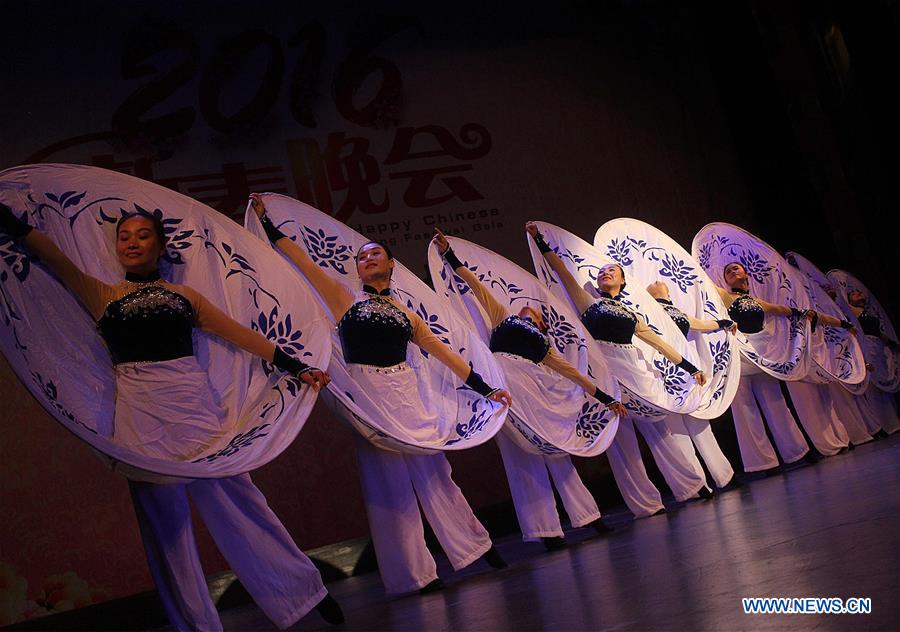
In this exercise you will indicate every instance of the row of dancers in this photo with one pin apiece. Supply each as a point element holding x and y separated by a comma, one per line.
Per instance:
<point>147,323</point>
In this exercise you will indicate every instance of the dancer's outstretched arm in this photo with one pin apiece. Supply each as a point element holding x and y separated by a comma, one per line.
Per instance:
<point>337,297</point>
<point>581,297</point>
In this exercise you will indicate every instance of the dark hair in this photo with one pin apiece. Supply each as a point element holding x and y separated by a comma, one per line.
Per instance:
<point>158,227</point>
<point>387,251</point>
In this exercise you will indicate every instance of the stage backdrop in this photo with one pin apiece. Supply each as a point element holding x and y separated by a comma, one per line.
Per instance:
<point>394,121</point>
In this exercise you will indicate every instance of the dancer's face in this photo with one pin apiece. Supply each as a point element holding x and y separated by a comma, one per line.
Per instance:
<point>530,313</point>
<point>658,290</point>
<point>373,264</point>
<point>856,298</point>
<point>610,279</point>
<point>137,245</point>
<point>735,274</point>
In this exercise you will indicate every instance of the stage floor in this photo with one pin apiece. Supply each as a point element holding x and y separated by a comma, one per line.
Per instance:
<point>825,530</point>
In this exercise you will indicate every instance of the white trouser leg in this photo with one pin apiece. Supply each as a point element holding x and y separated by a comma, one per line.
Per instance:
<point>757,453</point>
<point>868,411</point>
<point>815,418</point>
<point>846,409</point>
<point>637,490</point>
<point>463,538</point>
<point>701,434</point>
<point>529,485</point>
<point>884,407</point>
<point>395,522</point>
<point>680,473</point>
<point>578,501</point>
<point>282,580</point>
<point>791,444</point>
<point>164,517</point>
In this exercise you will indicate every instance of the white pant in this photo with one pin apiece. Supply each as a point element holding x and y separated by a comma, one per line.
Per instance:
<point>884,408</point>
<point>759,391</point>
<point>279,577</point>
<point>846,408</point>
<point>532,494</point>
<point>639,493</point>
<point>391,482</point>
<point>813,405</point>
<point>690,432</point>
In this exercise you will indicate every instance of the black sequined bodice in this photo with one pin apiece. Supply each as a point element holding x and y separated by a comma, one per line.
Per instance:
<point>374,331</point>
<point>748,314</point>
<point>150,324</point>
<point>609,320</point>
<point>520,337</point>
<point>870,323</point>
<point>680,318</point>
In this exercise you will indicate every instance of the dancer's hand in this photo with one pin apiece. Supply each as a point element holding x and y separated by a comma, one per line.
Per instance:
<point>618,408</point>
<point>733,329</point>
<point>316,378</point>
<point>440,240</point>
<point>257,204</point>
<point>532,229</point>
<point>700,377</point>
<point>501,396</point>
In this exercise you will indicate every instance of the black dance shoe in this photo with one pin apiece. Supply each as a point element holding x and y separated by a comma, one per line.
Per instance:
<point>705,493</point>
<point>658,512</point>
<point>601,527</point>
<point>812,457</point>
<point>330,610</point>
<point>433,586</point>
<point>554,544</point>
<point>493,558</point>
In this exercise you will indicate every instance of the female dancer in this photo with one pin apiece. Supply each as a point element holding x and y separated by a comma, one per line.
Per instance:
<point>609,321</point>
<point>688,430</point>
<point>166,408</point>
<point>882,404</point>
<point>525,335</point>
<point>375,331</point>
<point>750,313</point>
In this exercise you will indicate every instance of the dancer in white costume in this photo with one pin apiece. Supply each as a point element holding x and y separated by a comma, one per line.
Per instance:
<point>757,387</point>
<point>689,431</point>
<point>165,408</point>
<point>610,321</point>
<point>882,405</point>
<point>375,331</point>
<point>524,335</point>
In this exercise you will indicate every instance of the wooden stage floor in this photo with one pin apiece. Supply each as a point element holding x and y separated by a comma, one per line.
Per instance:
<point>826,530</point>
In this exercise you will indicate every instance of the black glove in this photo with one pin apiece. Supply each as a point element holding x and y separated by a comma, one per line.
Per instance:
<point>451,258</point>
<point>724,323</point>
<point>605,399</point>
<point>541,243</point>
<point>290,364</point>
<point>271,231</point>
<point>11,224</point>
<point>477,384</point>
<point>684,365</point>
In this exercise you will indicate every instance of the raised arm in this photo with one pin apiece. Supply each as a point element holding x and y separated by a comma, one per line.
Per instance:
<point>210,318</point>
<point>496,311</point>
<point>643,331</point>
<point>423,337</point>
<point>93,293</point>
<point>578,294</point>
<point>562,366</point>
<point>337,297</point>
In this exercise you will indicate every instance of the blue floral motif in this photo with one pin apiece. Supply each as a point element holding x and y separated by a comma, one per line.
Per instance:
<point>705,254</point>
<point>532,437</point>
<point>561,331</point>
<point>757,267</point>
<point>678,271</point>
<point>640,408</point>
<point>432,320</point>
<point>620,252</point>
<point>63,203</point>
<point>324,249</point>
<point>709,308</point>
<point>482,411</point>
<point>239,441</point>
<point>592,420</point>
<point>48,388</point>
<point>834,335</point>
<point>721,353</point>
<point>673,381</point>
<point>282,333</point>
